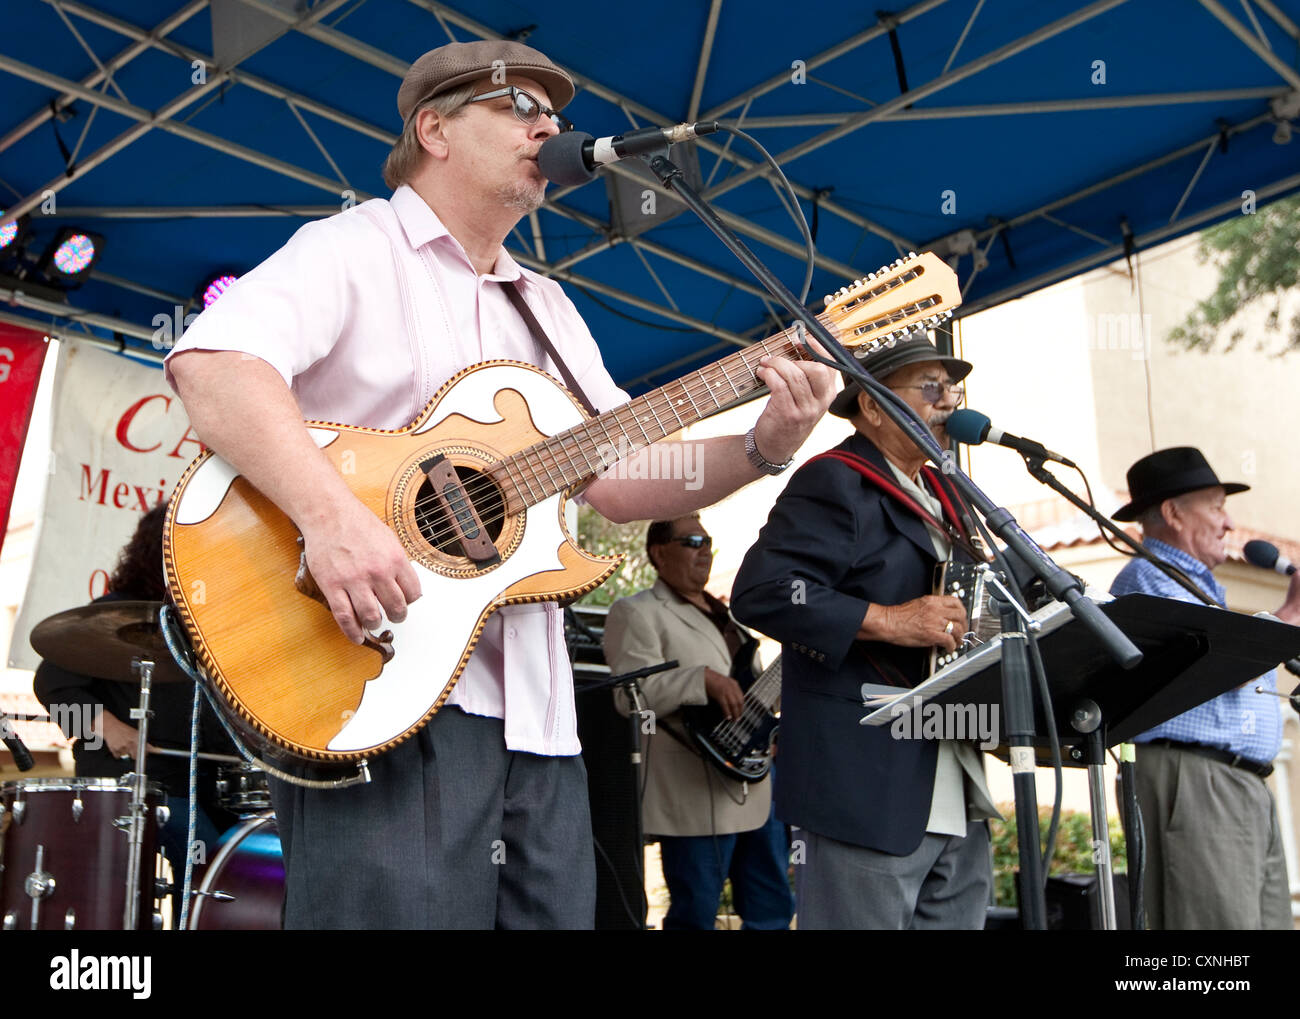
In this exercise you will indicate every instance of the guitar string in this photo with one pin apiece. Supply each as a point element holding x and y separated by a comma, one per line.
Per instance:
<point>695,384</point>
<point>554,445</point>
<point>730,730</point>
<point>485,484</point>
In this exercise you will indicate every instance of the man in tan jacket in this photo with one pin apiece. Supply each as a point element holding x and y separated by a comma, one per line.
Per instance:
<point>709,827</point>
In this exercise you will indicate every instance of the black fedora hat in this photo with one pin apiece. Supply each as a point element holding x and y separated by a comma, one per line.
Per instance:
<point>1166,473</point>
<point>911,349</point>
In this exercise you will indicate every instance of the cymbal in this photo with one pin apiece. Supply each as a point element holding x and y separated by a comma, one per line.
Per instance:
<point>102,639</point>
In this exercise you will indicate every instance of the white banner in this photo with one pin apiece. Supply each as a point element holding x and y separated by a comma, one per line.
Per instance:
<point>120,440</point>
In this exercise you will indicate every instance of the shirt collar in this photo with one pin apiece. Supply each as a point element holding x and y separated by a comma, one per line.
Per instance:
<point>1188,563</point>
<point>422,226</point>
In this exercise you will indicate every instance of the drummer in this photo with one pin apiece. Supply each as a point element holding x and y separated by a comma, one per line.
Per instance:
<point>107,749</point>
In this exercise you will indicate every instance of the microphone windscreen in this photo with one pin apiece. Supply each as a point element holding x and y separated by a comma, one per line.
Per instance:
<point>1261,553</point>
<point>967,426</point>
<point>560,159</point>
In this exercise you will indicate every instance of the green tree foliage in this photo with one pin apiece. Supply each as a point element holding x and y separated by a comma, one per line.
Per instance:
<point>1258,257</point>
<point>1073,854</point>
<point>596,534</point>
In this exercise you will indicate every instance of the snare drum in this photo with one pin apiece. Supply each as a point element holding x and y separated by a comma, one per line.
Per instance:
<point>64,848</point>
<point>242,789</point>
<point>243,887</point>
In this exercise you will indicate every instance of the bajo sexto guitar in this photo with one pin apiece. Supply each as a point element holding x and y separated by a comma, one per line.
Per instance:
<point>474,488</point>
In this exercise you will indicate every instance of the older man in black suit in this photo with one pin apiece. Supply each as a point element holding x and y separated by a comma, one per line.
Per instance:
<point>894,830</point>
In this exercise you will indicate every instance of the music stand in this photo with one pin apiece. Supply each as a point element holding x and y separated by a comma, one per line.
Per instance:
<point>1191,654</point>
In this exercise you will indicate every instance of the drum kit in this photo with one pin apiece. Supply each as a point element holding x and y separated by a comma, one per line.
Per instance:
<point>81,853</point>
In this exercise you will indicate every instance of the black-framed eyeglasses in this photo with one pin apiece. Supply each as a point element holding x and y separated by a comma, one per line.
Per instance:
<point>933,392</point>
<point>694,541</point>
<point>526,106</point>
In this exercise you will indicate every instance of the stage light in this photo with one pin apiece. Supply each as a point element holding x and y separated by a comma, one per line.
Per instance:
<point>8,233</point>
<point>214,286</point>
<point>68,258</point>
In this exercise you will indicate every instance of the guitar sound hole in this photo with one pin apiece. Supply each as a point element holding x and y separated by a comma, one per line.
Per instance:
<point>436,526</point>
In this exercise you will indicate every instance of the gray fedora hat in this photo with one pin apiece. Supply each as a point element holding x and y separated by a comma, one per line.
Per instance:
<point>911,349</point>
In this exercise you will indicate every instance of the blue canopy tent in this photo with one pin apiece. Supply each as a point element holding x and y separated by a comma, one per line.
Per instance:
<point>1017,139</point>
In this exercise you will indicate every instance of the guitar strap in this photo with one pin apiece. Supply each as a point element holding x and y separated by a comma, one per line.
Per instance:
<point>515,293</point>
<point>955,524</point>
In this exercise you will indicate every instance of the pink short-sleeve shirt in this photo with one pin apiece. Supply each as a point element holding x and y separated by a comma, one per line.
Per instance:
<point>365,315</point>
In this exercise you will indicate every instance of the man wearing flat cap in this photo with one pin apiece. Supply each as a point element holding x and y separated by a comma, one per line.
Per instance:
<point>892,832</point>
<point>481,819</point>
<point>1214,850</point>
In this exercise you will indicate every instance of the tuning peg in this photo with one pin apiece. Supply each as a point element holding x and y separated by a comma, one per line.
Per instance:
<point>911,255</point>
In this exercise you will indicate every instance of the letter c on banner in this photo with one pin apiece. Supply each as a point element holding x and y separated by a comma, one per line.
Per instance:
<point>124,423</point>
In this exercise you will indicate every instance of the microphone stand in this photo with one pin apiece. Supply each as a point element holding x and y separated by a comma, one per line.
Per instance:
<point>1060,584</point>
<point>1036,465</point>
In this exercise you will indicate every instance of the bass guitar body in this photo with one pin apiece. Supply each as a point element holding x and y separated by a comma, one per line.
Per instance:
<point>262,631</point>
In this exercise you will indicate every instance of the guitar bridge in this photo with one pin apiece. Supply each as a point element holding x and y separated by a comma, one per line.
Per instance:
<point>458,510</point>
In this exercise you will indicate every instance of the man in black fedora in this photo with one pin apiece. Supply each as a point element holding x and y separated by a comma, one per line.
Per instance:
<point>892,830</point>
<point>1214,850</point>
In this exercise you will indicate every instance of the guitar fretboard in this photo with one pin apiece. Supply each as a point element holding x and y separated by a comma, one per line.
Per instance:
<point>568,457</point>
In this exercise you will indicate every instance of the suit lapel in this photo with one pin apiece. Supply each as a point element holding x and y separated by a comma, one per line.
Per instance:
<point>907,523</point>
<point>691,616</point>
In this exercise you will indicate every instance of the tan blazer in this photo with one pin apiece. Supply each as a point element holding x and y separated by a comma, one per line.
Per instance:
<point>684,795</point>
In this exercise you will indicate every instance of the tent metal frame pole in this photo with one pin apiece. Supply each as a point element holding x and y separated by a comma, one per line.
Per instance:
<point>1102,185</point>
<point>1048,106</point>
<point>1248,39</point>
<point>782,77</point>
<point>65,311</point>
<point>1115,251</point>
<point>160,118</point>
<point>938,84</point>
<point>631,106</point>
<point>189,55</point>
<point>702,68</point>
<point>1279,17</point>
<point>143,42</point>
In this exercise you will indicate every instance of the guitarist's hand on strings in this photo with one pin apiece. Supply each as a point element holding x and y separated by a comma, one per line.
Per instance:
<point>801,392</point>
<point>931,621</point>
<point>360,568</point>
<point>726,692</point>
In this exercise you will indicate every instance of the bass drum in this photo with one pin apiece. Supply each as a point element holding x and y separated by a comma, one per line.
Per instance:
<point>64,850</point>
<point>242,889</point>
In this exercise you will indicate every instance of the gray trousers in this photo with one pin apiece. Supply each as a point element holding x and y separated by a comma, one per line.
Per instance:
<point>453,831</point>
<point>1214,850</point>
<point>943,885</point>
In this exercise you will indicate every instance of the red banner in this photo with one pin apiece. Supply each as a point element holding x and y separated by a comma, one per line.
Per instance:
<point>22,352</point>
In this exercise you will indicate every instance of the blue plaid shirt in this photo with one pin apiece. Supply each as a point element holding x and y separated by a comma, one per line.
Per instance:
<point>1240,720</point>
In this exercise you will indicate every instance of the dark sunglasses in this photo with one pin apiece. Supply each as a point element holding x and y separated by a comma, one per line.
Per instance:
<point>933,392</point>
<point>526,107</point>
<point>695,541</point>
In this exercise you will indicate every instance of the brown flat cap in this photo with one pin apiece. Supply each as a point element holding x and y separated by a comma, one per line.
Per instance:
<point>460,62</point>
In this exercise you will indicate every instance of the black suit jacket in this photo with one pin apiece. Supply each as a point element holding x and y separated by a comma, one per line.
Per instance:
<point>833,544</point>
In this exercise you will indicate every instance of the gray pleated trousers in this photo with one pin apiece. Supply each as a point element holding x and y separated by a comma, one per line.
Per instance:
<point>1214,847</point>
<point>453,831</point>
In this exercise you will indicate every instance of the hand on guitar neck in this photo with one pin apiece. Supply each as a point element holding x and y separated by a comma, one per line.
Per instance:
<point>930,621</point>
<point>725,692</point>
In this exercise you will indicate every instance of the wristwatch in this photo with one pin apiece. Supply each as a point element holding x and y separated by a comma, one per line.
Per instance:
<point>760,462</point>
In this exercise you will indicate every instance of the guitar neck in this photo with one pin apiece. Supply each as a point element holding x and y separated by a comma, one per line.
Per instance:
<point>570,457</point>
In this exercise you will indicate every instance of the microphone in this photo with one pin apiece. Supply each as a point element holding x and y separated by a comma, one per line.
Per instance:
<point>1266,555</point>
<point>22,756</point>
<point>972,428</point>
<point>573,157</point>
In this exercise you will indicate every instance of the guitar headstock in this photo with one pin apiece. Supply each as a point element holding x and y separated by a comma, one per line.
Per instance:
<point>916,292</point>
